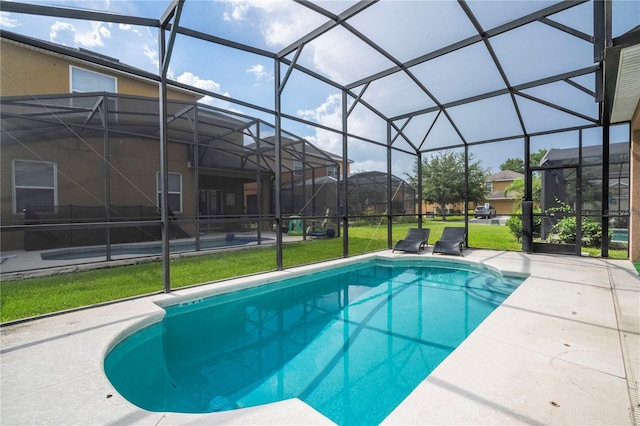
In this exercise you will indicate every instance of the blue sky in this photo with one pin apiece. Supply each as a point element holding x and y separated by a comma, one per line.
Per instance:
<point>406,29</point>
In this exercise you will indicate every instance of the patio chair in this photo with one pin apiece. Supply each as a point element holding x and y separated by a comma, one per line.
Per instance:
<point>451,241</point>
<point>415,240</point>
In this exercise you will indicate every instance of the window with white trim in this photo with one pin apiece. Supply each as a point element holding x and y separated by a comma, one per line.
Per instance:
<point>84,81</point>
<point>175,191</point>
<point>34,186</point>
<point>332,171</point>
<point>297,168</point>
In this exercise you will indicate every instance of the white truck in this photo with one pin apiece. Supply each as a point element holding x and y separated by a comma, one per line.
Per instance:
<point>484,211</point>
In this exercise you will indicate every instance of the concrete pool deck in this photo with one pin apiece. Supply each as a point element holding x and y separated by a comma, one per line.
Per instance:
<point>564,348</point>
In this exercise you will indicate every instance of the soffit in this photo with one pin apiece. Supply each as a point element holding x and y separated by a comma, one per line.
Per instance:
<point>627,91</point>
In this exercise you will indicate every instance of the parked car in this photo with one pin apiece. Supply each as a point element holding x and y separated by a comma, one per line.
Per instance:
<point>484,212</point>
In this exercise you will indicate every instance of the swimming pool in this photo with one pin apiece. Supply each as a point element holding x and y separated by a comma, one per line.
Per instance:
<point>620,235</point>
<point>351,342</point>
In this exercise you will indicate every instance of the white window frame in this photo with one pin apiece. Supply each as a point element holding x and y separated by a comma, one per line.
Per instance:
<point>14,186</point>
<point>72,90</point>
<point>113,106</point>
<point>332,170</point>
<point>298,167</point>
<point>159,190</point>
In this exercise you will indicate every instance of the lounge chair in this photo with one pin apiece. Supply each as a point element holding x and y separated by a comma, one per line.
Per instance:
<point>415,240</point>
<point>451,241</point>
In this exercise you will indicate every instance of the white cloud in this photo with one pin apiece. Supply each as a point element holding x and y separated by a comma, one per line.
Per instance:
<point>67,34</point>
<point>208,85</point>
<point>260,73</point>
<point>152,54</point>
<point>62,33</point>
<point>195,81</point>
<point>282,32</point>
<point>7,21</point>
<point>238,12</point>
<point>241,8</point>
<point>365,156</point>
<point>282,22</point>
<point>328,114</point>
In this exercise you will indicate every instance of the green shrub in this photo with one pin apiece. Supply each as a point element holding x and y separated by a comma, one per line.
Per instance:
<point>591,231</point>
<point>514,223</point>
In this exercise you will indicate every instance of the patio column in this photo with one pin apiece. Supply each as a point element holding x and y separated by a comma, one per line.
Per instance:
<point>345,175</point>
<point>420,205</point>
<point>389,190</point>
<point>107,177</point>
<point>172,13</point>
<point>278,165</point>
<point>527,200</point>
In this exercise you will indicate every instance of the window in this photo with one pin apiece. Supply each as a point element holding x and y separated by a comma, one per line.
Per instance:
<point>297,168</point>
<point>84,81</point>
<point>175,191</point>
<point>488,186</point>
<point>332,171</point>
<point>35,186</point>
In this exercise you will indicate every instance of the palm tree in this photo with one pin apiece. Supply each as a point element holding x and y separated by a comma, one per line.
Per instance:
<point>516,188</point>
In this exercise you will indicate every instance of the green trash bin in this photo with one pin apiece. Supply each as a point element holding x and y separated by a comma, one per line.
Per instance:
<point>295,226</point>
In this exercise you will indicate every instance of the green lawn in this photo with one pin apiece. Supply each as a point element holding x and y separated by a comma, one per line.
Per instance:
<point>37,296</point>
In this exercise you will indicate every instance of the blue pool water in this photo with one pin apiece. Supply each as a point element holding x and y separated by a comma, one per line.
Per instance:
<point>619,235</point>
<point>352,342</point>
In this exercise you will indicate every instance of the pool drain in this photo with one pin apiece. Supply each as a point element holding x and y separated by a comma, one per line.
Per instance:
<point>218,403</point>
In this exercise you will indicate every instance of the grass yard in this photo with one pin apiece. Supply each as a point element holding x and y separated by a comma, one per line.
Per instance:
<point>38,296</point>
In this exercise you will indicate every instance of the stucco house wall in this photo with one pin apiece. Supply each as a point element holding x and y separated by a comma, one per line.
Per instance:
<point>79,158</point>
<point>29,70</point>
<point>634,225</point>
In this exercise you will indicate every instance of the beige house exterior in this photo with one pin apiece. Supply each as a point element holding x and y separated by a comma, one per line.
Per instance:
<point>77,162</point>
<point>29,70</point>
<point>496,184</point>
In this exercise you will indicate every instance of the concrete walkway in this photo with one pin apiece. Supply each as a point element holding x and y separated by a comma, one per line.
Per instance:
<point>564,348</point>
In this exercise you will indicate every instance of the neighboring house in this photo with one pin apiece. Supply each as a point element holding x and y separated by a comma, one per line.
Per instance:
<point>77,137</point>
<point>436,209</point>
<point>496,184</point>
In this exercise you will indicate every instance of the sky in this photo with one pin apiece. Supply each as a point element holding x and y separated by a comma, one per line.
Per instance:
<point>404,29</point>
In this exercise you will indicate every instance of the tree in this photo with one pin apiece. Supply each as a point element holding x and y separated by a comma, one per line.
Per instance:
<point>443,179</point>
<point>536,157</point>
<point>516,190</point>
<point>513,164</point>
<point>517,164</point>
